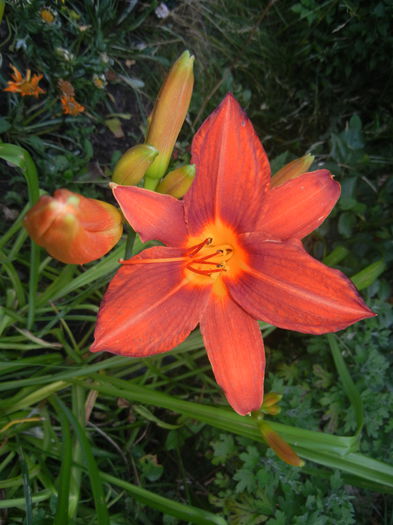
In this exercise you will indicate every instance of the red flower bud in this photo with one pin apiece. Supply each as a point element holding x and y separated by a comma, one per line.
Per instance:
<point>73,228</point>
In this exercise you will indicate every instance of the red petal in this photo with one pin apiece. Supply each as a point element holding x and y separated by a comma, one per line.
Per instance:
<point>148,308</point>
<point>235,348</point>
<point>72,244</point>
<point>153,216</point>
<point>286,287</point>
<point>232,169</point>
<point>299,206</point>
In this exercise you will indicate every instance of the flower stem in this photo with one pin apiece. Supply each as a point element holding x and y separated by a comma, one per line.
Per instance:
<point>129,242</point>
<point>150,183</point>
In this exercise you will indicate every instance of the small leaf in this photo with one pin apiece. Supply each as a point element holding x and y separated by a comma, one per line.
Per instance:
<point>134,83</point>
<point>114,125</point>
<point>368,275</point>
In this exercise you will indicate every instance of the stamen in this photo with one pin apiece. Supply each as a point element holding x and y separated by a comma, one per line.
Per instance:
<point>151,261</point>
<point>195,249</point>
<point>201,259</point>
<point>192,259</point>
<point>202,272</point>
<point>197,261</point>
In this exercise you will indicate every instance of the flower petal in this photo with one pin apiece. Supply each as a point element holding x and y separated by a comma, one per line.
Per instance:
<point>288,288</point>
<point>232,169</point>
<point>153,216</point>
<point>299,206</point>
<point>234,345</point>
<point>149,307</point>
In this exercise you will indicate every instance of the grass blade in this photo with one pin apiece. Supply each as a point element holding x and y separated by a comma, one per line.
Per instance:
<point>94,474</point>
<point>167,506</point>
<point>62,515</point>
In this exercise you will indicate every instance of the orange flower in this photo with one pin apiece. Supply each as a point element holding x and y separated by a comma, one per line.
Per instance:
<point>70,106</point>
<point>233,254</point>
<point>73,228</point>
<point>26,86</point>
<point>47,15</point>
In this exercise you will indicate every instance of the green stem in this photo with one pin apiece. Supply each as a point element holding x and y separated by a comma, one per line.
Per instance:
<point>130,242</point>
<point>151,184</point>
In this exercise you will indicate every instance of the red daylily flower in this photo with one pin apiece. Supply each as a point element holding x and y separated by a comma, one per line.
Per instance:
<point>233,255</point>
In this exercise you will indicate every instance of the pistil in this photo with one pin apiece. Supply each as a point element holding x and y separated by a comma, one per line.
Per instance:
<point>196,259</point>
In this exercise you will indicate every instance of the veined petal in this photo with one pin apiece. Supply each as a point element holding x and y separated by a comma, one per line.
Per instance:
<point>149,307</point>
<point>299,206</point>
<point>232,169</point>
<point>154,216</point>
<point>288,288</point>
<point>234,345</point>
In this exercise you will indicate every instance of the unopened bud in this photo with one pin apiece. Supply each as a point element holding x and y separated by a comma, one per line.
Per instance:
<point>132,166</point>
<point>272,411</point>
<point>73,228</point>
<point>292,170</point>
<point>270,399</point>
<point>280,447</point>
<point>178,181</point>
<point>169,113</point>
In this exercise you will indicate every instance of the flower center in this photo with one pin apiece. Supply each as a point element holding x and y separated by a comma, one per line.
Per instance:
<point>206,259</point>
<point>209,259</point>
<point>28,88</point>
<point>214,252</point>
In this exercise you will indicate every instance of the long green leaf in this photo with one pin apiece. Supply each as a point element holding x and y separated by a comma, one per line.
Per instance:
<point>348,385</point>
<point>325,449</point>
<point>94,474</point>
<point>22,159</point>
<point>21,502</point>
<point>62,516</point>
<point>26,489</point>
<point>167,506</point>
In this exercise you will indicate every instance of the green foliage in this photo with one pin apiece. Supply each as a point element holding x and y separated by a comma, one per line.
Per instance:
<point>256,489</point>
<point>285,494</point>
<point>84,438</point>
<point>88,44</point>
